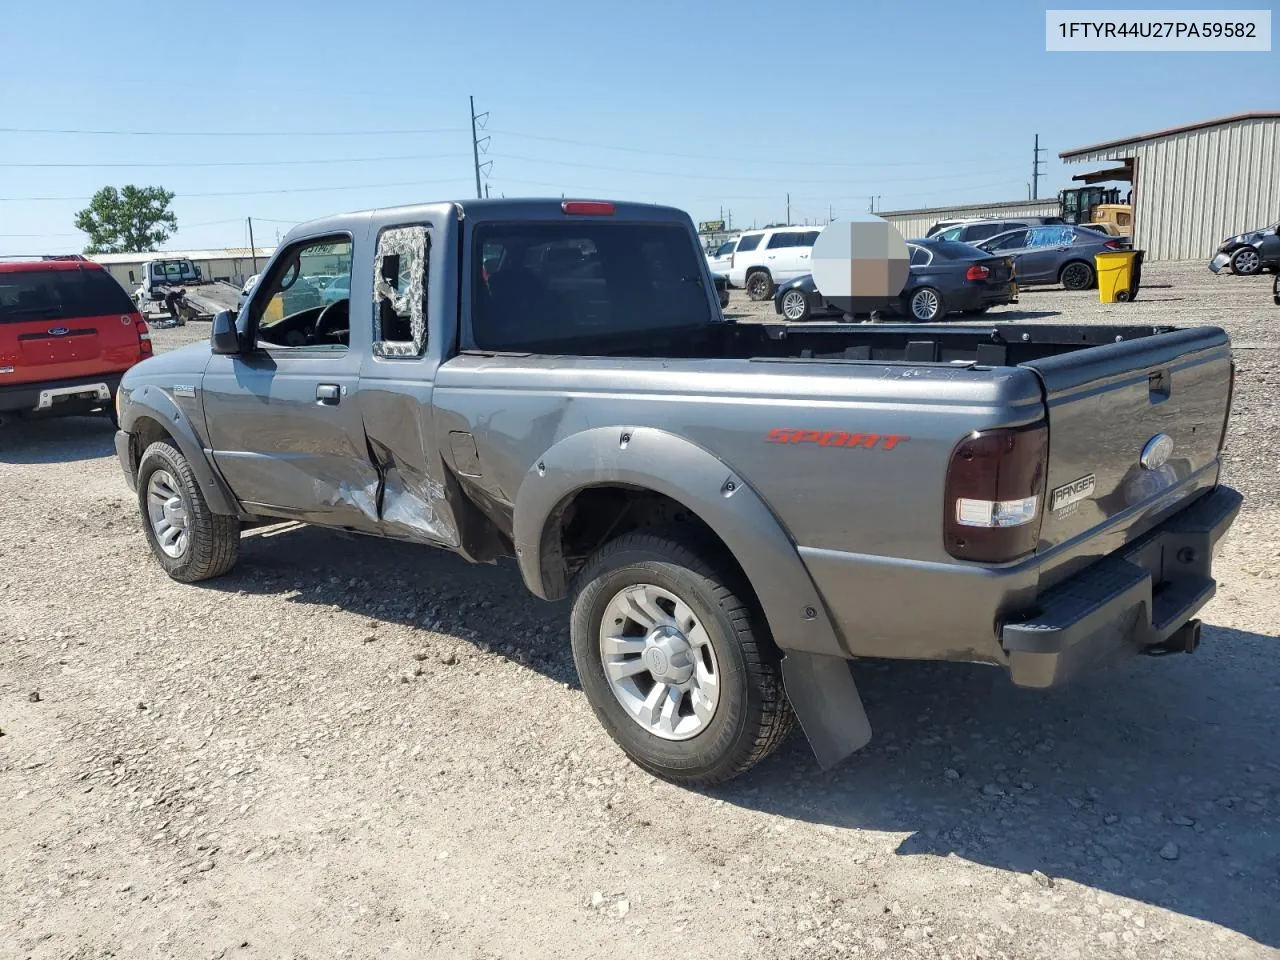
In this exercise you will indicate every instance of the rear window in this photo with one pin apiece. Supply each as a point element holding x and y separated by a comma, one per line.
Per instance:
<point>749,242</point>
<point>60,294</point>
<point>955,250</point>
<point>560,287</point>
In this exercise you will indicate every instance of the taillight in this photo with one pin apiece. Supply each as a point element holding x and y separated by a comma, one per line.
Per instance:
<point>1226,420</point>
<point>1114,245</point>
<point>589,208</point>
<point>994,494</point>
<point>144,335</point>
<point>977,272</point>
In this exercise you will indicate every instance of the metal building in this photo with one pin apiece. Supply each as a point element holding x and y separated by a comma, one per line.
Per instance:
<point>915,223</point>
<point>1196,185</point>
<point>234,264</point>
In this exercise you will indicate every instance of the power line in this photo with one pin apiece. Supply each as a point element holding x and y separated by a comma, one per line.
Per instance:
<point>737,159</point>
<point>228,133</point>
<point>236,163</point>
<point>724,179</point>
<point>506,133</point>
<point>256,193</point>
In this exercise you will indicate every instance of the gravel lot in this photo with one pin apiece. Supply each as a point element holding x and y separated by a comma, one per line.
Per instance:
<point>350,748</point>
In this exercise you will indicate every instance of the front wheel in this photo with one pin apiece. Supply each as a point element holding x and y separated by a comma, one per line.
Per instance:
<point>795,305</point>
<point>189,540</point>
<point>1246,262</point>
<point>676,661</point>
<point>760,285</point>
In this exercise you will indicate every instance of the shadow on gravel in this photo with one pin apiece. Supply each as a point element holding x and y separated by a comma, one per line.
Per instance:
<point>57,440</point>
<point>409,584</point>
<point>1159,781</point>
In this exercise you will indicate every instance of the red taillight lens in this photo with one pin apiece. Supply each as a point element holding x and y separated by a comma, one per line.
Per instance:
<point>588,208</point>
<point>994,494</point>
<point>977,272</point>
<point>1114,245</point>
<point>144,335</point>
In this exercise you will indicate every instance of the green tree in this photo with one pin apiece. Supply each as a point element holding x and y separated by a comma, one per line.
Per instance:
<point>129,220</point>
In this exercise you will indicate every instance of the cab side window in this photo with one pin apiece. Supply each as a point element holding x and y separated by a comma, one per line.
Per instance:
<point>291,308</point>
<point>400,292</point>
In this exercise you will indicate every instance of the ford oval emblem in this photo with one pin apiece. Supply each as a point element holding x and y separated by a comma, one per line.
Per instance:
<point>1157,452</point>
<point>58,331</point>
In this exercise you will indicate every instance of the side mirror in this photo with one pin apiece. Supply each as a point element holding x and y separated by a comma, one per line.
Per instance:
<point>224,338</point>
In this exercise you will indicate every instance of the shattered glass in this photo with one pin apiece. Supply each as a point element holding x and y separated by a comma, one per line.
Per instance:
<point>410,244</point>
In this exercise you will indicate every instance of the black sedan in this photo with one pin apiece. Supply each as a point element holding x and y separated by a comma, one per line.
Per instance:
<point>722,288</point>
<point>944,276</point>
<point>1249,253</point>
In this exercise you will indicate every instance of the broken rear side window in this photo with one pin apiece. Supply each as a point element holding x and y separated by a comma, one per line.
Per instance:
<point>400,292</point>
<point>577,288</point>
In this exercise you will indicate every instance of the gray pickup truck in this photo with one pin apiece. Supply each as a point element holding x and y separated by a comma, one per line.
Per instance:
<point>737,510</point>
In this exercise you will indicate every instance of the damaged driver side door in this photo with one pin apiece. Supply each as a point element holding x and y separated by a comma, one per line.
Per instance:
<point>284,421</point>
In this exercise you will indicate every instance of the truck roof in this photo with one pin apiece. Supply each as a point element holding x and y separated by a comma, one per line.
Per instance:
<point>532,208</point>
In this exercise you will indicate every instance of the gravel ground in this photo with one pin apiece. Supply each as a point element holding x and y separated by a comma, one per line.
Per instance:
<point>351,748</point>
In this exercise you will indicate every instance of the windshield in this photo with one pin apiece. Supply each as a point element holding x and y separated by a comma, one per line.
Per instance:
<point>60,294</point>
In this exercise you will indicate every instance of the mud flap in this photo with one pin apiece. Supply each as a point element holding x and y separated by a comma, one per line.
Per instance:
<point>827,704</point>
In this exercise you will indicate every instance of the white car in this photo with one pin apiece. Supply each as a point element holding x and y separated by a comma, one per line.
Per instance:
<point>721,258</point>
<point>765,258</point>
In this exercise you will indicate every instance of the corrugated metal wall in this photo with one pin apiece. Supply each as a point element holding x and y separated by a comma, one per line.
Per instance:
<point>1196,188</point>
<point>915,223</point>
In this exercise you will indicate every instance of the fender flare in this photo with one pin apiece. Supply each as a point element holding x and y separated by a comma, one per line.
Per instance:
<point>150,401</point>
<point>651,459</point>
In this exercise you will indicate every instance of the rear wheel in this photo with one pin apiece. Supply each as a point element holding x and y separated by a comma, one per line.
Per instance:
<point>1077,275</point>
<point>189,540</point>
<point>1246,262</point>
<point>795,305</point>
<point>926,304</point>
<point>676,661</point>
<point>759,285</point>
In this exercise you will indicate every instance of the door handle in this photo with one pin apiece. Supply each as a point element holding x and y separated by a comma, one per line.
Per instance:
<point>328,393</point>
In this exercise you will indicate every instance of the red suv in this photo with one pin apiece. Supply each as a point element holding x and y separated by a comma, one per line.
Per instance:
<point>68,331</point>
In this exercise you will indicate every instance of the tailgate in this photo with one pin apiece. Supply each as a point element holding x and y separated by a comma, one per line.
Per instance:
<point>1109,408</point>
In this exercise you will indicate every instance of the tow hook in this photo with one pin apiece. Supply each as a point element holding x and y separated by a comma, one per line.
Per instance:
<point>1184,640</point>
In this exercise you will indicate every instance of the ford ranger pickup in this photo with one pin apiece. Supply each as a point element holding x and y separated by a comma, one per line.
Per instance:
<point>738,511</point>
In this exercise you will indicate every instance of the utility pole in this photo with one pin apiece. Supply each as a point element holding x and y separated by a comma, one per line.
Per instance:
<point>477,143</point>
<point>830,213</point>
<point>788,209</point>
<point>1035,170</point>
<point>253,251</point>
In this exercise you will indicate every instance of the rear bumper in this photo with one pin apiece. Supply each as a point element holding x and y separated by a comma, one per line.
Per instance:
<point>1135,599</point>
<point>60,396</point>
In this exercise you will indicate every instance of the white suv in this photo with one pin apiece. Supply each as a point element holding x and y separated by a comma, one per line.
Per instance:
<point>765,258</point>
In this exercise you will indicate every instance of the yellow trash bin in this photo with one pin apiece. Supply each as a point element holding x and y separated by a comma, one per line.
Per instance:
<point>1119,275</point>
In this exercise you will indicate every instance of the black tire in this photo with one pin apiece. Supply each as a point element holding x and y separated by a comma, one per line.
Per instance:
<point>1122,296</point>
<point>752,716</point>
<point>1076,275</point>
<point>1246,262</point>
<point>213,540</point>
<point>925,305</point>
<point>759,285</point>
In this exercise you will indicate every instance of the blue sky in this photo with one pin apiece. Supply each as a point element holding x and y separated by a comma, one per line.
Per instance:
<point>705,105</point>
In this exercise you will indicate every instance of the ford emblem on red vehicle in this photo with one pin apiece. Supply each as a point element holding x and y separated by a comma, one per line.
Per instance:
<point>58,331</point>
<point>1157,451</point>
